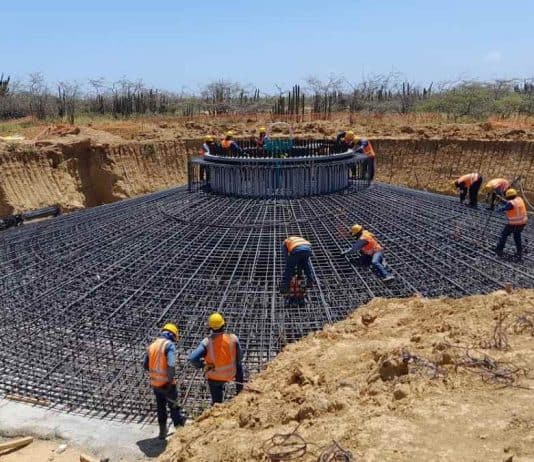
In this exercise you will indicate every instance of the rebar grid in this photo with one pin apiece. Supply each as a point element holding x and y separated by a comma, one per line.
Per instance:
<point>84,294</point>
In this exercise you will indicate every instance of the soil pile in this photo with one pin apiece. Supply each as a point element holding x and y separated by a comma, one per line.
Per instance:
<point>400,380</point>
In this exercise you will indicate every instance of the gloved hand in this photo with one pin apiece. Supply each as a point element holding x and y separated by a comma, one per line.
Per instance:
<point>345,252</point>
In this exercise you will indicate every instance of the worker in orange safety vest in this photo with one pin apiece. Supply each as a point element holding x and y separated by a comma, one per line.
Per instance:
<point>160,362</point>
<point>297,255</point>
<point>495,189</point>
<point>516,213</point>
<point>229,146</point>
<point>221,357</point>
<point>469,183</point>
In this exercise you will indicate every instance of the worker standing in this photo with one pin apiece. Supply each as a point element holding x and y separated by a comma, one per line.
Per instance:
<point>346,139</point>
<point>469,183</point>
<point>229,146</point>
<point>221,357</point>
<point>160,362</point>
<point>364,146</point>
<point>262,137</point>
<point>495,189</point>
<point>516,214</point>
<point>297,252</point>
<point>209,145</point>
<point>371,252</point>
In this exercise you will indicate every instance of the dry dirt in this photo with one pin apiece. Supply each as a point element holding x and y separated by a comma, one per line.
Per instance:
<point>350,384</point>
<point>42,451</point>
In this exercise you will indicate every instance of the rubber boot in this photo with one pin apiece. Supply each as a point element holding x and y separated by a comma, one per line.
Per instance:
<point>162,431</point>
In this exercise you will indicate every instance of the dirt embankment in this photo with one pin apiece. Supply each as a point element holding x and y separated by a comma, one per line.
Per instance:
<point>79,173</point>
<point>393,382</point>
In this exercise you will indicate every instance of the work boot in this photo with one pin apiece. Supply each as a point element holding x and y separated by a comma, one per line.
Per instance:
<point>162,431</point>
<point>498,252</point>
<point>389,277</point>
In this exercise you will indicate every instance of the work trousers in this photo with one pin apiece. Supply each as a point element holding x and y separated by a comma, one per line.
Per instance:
<point>516,230</point>
<point>370,168</point>
<point>473,193</point>
<point>162,403</point>
<point>299,260</point>
<point>377,262</point>
<point>216,391</point>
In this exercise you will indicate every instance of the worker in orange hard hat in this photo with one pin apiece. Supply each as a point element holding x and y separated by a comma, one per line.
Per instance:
<point>221,357</point>
<point>495,189</point>
<point>516,213</point>
<point>469,183</point>
<point>160,362</point>
<point>229,146</point>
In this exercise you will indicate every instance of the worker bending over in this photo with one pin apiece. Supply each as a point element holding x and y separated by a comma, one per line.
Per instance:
<point>495,189</point>
<point>221,357</point>
<point>297,252</point>
<point>160,362</point>
<point>346,140</point>
<point>229,146</point>
<point>370,251</point>
<point>516,214</point>
<point>469,183</point>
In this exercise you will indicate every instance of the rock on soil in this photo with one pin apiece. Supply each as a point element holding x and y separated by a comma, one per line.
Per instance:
<point>395,389</point>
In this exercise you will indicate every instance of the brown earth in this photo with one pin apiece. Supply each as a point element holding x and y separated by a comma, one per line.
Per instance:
<point>105,161</point>
<point>42,451</point>
<point>349,383</point>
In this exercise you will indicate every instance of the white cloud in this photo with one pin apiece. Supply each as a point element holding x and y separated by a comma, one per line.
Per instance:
<point>493,57</point>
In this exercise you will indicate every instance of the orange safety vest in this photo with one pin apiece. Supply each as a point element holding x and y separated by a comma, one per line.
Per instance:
<point>368,150</point>
<point>468,179</point>
<point>517,215</point>
<point>221,357</point>
<point>372,245</point>
<point>498,184</point>
<point>293,242</point>
<point>157,362</point>
<point>226,144</point>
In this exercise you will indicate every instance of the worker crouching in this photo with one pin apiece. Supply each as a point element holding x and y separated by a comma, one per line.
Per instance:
<point>220,356</point>
<point>370,251</point>
<point>517,217</point>
<point>160,362</point>
<point>297,254</point>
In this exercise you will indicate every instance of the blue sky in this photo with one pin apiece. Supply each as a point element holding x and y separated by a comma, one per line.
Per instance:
<point>177,44</point>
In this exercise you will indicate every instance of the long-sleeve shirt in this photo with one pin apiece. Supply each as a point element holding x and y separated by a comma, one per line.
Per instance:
<point>170,352</point>
<point>361,145</point>
<point>505,206</point>
<point>196,358</point>
<point>358,245</point>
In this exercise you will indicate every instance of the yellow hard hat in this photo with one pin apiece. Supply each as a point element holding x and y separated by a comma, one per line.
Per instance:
<point>172,328</point>
<point>349,135</point>
<point>208,138</point>
<point>510,193</point>
<point>215,321</point>
<point>356,229</point>
<point>487,187</point>
<point>229,134</point>
<point>262,130</point>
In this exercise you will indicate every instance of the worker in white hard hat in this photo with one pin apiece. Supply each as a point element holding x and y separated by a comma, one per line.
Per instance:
<point>160,362</point>
<point>221,357</point>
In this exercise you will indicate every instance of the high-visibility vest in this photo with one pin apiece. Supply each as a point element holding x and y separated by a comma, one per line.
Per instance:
<point>292,242</point>
<point>518,214</point>
<point>221,357</point>
<point>157,362</point>
<point>226,144</point>
<point>498,184</point>
<point>468,179</point>
<point>372,245</point>
<point>368,150</point>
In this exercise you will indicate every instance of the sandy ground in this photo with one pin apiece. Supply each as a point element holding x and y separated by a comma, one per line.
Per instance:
<point>42,451</point>
<point>393,382</point>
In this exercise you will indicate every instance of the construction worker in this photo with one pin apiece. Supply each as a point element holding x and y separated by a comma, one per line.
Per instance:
<point>229,146</point>
<point>364,146</point>
<point>209,145</point>
<point>220,356</point>
<point>495,189</point>
<point>346,139</point>
<point>297,291</point>
<point>469,183</point>
<point>371,252</point>
<point>516,213</point>
<point>297,252</point>
<point>160,362</point>
<point>262,137</point>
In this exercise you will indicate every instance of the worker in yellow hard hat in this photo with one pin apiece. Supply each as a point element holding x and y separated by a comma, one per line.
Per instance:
<point>371,252</point>
<point>346,140</point>
<point>229,147</point>
<point>262,137</point>
<point>516,213</point>
<point>221,357</point>
<point>160,362</point>
<point>495,189</point>
<point>208,146</point>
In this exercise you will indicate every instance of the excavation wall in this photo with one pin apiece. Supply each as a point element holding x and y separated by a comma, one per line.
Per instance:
<point>80,174</point>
